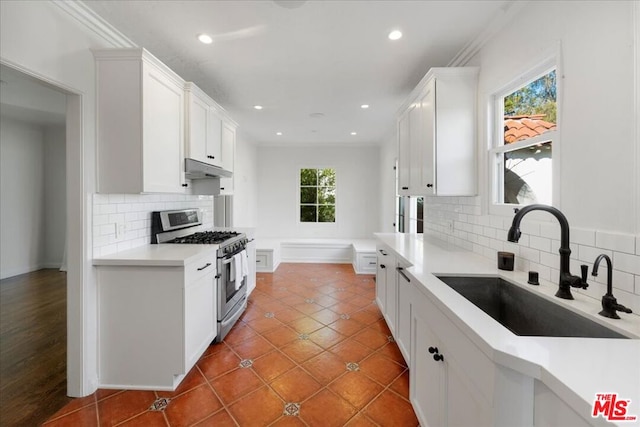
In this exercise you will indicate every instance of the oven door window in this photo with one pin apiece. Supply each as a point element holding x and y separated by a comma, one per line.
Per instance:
<point>228,279</point>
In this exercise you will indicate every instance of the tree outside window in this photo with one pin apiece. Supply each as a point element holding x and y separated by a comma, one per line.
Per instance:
<point>523,153</point>
<point>318,195</point>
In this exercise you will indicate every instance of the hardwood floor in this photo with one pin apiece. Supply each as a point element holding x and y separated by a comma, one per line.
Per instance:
<point>33,347</point>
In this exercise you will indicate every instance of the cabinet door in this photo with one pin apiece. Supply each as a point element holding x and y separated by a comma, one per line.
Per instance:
<point>198,116</point>
<point>405,296</point>
<point>391,303</point>
<point>427,377</point>
<point>381,279</point>
<point>404,155</point>
<point>214,139</point>
<point>415,149</point>
<point>200,317</point>
<point>228,157</point>
<point>465,406</point>
<point>427,140</point>
<point>163,136</point>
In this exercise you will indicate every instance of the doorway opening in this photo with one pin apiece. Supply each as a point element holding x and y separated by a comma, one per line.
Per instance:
<point>34,239</point>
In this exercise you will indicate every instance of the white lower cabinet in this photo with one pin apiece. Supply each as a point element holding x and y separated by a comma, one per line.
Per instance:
<point>154,322</point>
<point>381,278</point>
<point>405,307</point>
<point>387,287</point>
<point>450,379</point>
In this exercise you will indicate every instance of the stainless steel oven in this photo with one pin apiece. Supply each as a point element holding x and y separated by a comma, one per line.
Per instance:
<point>231,289</point>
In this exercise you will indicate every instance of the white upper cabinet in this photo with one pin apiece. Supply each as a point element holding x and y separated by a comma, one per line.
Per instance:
<point>204,127</point>
<point>140,124</point>
<point>228,156</point>
<point>437,135</point>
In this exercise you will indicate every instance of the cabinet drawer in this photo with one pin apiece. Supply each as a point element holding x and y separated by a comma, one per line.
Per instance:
<point>200,267</point>
<point>261,260</point>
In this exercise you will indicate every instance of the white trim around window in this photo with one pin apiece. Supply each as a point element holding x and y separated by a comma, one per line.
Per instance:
<point>495,133</point>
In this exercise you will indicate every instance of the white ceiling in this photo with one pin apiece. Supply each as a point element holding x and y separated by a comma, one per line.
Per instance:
<point>301,58</point>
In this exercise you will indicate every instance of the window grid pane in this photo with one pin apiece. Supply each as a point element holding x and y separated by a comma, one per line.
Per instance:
<point>317,195</point>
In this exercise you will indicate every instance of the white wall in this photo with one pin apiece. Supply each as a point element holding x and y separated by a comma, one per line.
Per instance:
<point>43,39</point>
<point>55,195</point>
<point>21,197</point>
<point>596,154</point>
<point>388,188</point>
<point>357,193</point>
<point>245,182</point>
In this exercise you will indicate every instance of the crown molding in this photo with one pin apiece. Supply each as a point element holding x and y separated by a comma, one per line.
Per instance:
<point>508,11</point>
<point>94,22</point>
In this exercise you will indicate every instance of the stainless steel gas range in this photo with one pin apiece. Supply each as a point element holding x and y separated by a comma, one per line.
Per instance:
<point>184,227</point>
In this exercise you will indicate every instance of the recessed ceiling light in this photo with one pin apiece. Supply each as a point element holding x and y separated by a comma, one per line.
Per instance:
<point>395,35</point>
<point>205,38</point>
<point>258,107</point>
<point>279,133</point>
<point>354,133</point>
<point>364,106</point>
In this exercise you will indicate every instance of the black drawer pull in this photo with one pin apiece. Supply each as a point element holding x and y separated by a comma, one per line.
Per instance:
<point>383,266</point>
<point>399,270</point>
<point>205,266</point>
<point>382,252</point>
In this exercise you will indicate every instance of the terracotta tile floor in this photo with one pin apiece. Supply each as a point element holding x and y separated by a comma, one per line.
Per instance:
<point>312,349</point>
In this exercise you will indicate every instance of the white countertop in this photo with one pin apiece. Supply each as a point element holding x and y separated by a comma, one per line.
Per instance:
<point>168,255</point>
<point>574,368</point>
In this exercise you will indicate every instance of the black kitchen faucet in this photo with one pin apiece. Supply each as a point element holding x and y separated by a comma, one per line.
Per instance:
<point>567,280</point>
<point>609,303</point>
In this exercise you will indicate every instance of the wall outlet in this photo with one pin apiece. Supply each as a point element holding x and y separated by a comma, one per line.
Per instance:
<point>450,226</point>
<point>120,228</point>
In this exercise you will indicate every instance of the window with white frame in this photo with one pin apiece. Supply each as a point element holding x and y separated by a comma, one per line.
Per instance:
<point>317,195</point>
<point>525,131</point>
<point>409,216</point>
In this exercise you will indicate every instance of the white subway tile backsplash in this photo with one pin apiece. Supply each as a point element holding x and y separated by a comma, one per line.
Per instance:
<point>134,212</point>
<point>550,260</point>
<point>616,242</point>
<point>589,254</point>
<point>621,280</point>
<point>550,230</point>
<point>116,198</point>
<point>626,262</point>
<point>489,232</point>
<point>583,237</point>
<point>529,254</point>
<point>540,243</point>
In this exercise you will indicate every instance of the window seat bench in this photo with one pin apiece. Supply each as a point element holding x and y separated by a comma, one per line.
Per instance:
<point>359,252</point>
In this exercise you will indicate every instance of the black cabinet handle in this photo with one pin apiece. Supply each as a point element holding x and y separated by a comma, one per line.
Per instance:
<point>372,263</point>
<point>185,185</point>
<point>211,157</point>
<point>399,270</point>
<point>436,354</point>
<point>383,266</point>
<point>429,185</point>
<point>405,188</point>
<point>205,266</point>
<point>383,252</point>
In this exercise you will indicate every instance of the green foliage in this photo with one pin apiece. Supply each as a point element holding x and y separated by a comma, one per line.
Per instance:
<point>308,176</point>
<point>317,195</point>
<point>538,97</point>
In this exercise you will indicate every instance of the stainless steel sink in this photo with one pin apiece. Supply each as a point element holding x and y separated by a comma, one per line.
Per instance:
<point>523,312</point>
